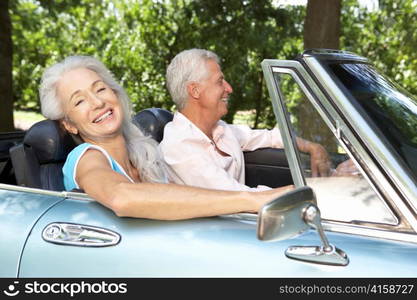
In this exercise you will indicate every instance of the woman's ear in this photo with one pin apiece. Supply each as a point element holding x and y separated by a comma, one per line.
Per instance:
<point>69,127</point>
<point>193,90</point>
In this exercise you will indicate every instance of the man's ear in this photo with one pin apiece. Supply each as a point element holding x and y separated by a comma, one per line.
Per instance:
<point>69,127</point>
<point>193,90</point>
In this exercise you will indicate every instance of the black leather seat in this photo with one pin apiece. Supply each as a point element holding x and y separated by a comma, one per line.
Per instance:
<point>152,121</point>
<point>39,159</point>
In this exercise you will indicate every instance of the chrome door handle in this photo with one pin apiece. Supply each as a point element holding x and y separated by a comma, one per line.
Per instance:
<point>79,235</point>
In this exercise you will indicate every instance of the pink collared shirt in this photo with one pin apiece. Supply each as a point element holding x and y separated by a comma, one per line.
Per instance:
<point>192,158</point>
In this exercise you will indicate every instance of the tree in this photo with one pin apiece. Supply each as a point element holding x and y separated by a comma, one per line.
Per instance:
<point>45,33</point>
<point>6,58</point>
<point>321,30</point>
<point>243,33</point>
<point>322,24</point>
<point>130,38</point>
<point>137,40</point>
<point>387,36</point>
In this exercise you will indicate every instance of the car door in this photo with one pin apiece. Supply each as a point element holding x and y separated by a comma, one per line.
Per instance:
<point>20,209</point>
<point>224,246</point>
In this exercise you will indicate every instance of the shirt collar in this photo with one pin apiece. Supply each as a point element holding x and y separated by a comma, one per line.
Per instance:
<point>218,130</point>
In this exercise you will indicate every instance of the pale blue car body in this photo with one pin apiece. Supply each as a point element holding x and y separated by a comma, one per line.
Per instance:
<point>207,247</point>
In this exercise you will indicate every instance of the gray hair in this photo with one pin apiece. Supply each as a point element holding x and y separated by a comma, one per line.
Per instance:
<point>143,151</point>
<point>185,67</point>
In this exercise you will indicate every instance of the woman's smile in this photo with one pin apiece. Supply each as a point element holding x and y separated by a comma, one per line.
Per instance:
<point>106,115</point>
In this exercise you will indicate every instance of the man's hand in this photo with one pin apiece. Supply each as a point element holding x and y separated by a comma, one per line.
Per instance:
<point>320,162</point>
<point>319,158</point>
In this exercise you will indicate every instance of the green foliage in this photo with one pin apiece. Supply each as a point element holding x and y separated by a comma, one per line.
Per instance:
<point>243,33</point>
<point>43,35</point>
<point>388,37</point>
<point>137,39</point>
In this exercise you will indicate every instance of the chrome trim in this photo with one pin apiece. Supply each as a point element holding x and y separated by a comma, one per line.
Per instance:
<point>77,196</point>
<point>281,117</point>
<point>306,92</point>
<point>340,129</point>
<point>334,55</point>
<point>367,231</point>
<point>62,194</point>
<point>312,217</point>
<point>245,217</point>
<point>319,255</point>
<point>337,227</point>
<point>280,219</point>
<point>18,188</point>
<point>327,253</point>
<point>79,235</point>
<point>385,159</point>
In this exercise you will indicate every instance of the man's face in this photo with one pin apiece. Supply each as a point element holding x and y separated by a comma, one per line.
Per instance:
<point>215,90</point>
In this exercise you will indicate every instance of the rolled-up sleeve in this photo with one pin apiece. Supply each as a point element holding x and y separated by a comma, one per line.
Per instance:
<point>193,159</point>
<point>252,139</point>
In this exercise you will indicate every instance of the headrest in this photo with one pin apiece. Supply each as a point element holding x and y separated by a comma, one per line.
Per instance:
<point>152,121</point>
<point>50,142</point>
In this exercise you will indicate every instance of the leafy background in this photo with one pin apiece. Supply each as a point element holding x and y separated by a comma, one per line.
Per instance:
<point>137,40</point>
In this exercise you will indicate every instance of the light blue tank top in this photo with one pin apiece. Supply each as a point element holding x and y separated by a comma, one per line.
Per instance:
<point>70,166</point>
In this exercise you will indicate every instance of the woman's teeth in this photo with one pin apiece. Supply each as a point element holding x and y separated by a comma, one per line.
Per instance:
<point>103,116</point>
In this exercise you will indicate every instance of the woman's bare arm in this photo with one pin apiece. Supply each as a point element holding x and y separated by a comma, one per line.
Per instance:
<point>161,201</point>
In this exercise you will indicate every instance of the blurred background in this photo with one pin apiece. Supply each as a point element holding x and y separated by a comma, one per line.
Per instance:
<point>136,39</point>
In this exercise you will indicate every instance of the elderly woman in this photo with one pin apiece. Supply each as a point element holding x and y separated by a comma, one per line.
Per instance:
<point>117,165</point>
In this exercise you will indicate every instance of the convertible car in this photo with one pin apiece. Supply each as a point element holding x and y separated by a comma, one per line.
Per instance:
<point>361,223</point>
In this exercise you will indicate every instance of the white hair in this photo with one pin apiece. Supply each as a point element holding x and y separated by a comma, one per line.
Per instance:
<point>187,66</point>
<point>143,151</point>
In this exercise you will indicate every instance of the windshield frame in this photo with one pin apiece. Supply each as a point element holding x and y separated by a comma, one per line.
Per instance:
<point>369,117</point>
<point>384,167</point>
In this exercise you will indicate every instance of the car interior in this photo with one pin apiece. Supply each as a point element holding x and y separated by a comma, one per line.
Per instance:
<point>8,140</point>
<point>37,160</point>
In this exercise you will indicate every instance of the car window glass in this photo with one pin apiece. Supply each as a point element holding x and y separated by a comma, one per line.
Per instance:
<point>343,195</point>
<point>386,106</point>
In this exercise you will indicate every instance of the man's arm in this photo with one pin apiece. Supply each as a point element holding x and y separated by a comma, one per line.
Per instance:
<point>252,139</point>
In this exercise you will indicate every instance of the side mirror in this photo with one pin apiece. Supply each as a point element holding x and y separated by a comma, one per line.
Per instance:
<point>282,218</point>
<point>292,214</point>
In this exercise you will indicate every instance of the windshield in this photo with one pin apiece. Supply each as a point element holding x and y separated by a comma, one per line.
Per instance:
<point>386,106</point>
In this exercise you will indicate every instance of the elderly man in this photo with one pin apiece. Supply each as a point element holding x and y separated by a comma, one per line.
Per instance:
<point>200,149</point>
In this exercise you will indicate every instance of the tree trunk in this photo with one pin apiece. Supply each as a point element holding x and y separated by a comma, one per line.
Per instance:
<point>321,30</point>
<point>6,65</point>
<point>322,24</point>
<point>258,98</point>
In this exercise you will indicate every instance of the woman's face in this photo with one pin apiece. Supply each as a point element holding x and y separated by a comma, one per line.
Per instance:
<point>92,109</point>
